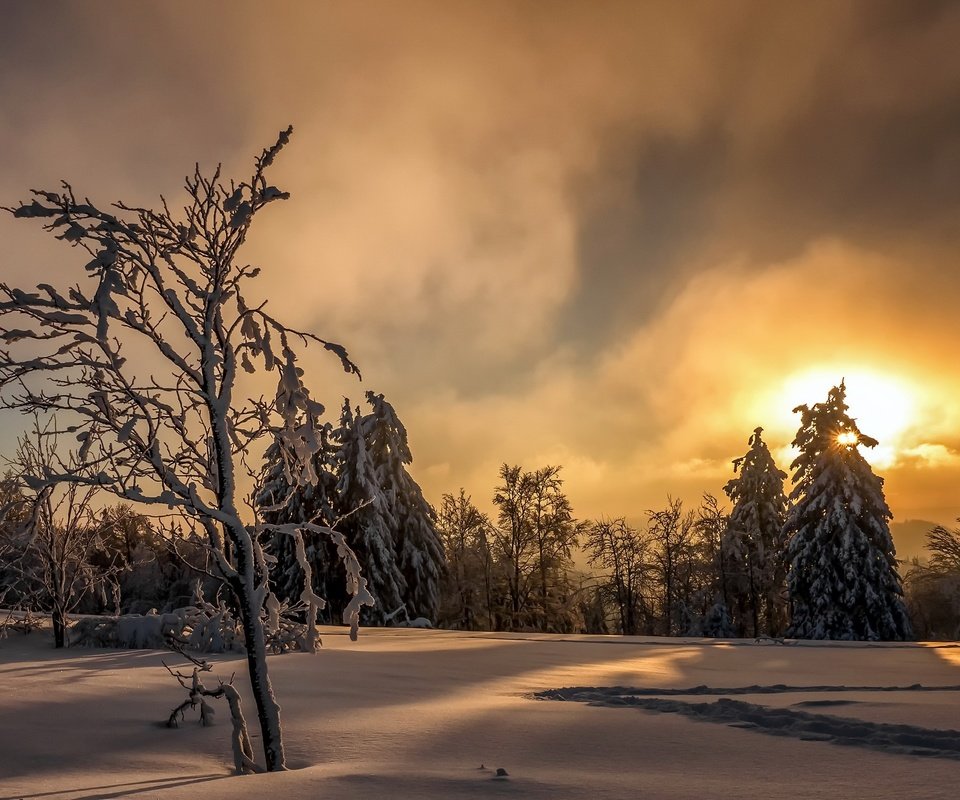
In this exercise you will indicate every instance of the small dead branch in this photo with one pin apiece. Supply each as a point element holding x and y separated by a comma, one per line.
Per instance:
<point>198,693</point>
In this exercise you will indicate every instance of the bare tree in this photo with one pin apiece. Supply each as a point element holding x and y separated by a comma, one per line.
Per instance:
<point>932,588</point>
<point>14,512</point>
<point>554,532</point>
<point>464,530</point>
<point>62,532</point>
<point>673,536</point>
<point>142,359</point>
<point>944,547</point>
<point>622,551</point>
<point>534,541</point>
<point>513,537</point>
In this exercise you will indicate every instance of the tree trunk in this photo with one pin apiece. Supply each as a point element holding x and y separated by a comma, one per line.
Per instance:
<point>543,581</point>
<point>515,595</point>
<point>59,618</point>
<point>268,710</point>
<point>488,588</point>
<point>668,580</point>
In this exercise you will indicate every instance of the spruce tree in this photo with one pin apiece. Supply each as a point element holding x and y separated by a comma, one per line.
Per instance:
<point>752,548</point>
<point>419,549</point>
<point>283,500</point>
<point>842,580</point>
<point>367,518</point>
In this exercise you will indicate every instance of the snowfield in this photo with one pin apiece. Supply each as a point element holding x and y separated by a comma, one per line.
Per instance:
<point>406,713</point>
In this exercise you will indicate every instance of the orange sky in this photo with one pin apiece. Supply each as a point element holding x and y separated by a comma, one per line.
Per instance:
<point>612,236</point>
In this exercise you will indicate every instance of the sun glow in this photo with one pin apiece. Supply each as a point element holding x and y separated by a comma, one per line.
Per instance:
<point>884,406</point>
<point>847,438</point>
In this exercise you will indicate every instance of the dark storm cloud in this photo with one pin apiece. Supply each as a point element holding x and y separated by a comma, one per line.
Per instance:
<point>636,242</point>
<point>867,148</point>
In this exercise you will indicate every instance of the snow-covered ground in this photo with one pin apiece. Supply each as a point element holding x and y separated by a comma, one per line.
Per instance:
<point>414,713</point>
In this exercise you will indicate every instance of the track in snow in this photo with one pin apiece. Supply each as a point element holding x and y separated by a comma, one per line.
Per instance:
<point>804,725</point>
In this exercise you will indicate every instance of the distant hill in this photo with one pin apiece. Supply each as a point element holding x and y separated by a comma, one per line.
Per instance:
<point>910,538</point>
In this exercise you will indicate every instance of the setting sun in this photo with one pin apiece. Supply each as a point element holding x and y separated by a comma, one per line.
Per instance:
<point>884,406</point>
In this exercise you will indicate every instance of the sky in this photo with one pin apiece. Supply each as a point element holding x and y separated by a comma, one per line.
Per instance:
<point>612,236</point>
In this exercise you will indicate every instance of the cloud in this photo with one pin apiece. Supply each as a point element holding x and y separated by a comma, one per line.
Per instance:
<point>605,236</point>
<point>669,408</point>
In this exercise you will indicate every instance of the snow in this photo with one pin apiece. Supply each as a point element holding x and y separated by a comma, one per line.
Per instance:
<point>406,713</point>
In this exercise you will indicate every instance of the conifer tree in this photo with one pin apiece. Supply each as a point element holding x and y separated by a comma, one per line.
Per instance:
<point>417,543</point>
<point>842,580</point>
<point>284,500</point>
<point>753,542</point>
<point>367,519</point>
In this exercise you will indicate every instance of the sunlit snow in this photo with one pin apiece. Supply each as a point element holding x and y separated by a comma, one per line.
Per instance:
<point>406,713</point>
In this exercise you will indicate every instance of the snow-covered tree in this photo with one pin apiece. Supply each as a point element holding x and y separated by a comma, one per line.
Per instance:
<point>363,486</point>
<point>554,532</point>
<point>842,581</point>
<point>368,521</point>
<point>512,540</point>
<point>708,584</point>
<point>753,541</point>
<point>141,359</point>
<point>716,623</point>
<point>418,546</point>
<point>282,500</point>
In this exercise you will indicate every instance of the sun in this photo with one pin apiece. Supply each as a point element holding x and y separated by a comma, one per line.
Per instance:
<point>883,405</point>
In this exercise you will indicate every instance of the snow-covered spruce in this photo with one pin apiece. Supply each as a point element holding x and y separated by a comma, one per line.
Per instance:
<point>363,488</point>
<point>418,546</point>
<point>368,524</point>
<point>842,581</point>
<point>752,545</point>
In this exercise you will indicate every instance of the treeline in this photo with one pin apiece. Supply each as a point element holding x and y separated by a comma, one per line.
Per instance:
<point>111,560</point>
<point>517,572</point>
<point>933,587</point>
<point>59,554</point>
<point>818,563</point>
<point>677,573</point>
